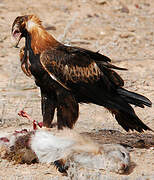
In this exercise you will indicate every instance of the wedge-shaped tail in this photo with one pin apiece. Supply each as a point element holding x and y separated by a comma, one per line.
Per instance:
<point>134,98</point>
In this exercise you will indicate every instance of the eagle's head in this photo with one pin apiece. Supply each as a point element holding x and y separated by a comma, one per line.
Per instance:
<point>23,25</point>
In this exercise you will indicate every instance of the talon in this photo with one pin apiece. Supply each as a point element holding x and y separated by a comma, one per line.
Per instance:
<point>61,167</point>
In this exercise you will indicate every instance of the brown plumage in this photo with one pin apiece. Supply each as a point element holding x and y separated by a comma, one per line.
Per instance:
<point>69,75</point>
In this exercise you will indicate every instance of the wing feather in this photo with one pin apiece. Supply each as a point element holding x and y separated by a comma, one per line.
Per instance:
<point>75,65</point>
<point>69,67</point>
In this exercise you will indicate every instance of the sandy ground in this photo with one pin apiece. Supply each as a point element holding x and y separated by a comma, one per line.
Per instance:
<point>122,30</point>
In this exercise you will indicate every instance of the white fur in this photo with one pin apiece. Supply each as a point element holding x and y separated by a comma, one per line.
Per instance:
<point>77,150</point>
<point>113,158</point>
<point>48,147</point>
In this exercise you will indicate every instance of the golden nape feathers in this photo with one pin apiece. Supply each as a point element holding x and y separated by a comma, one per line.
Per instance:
<point>40,38</point>
<point>34,20</point>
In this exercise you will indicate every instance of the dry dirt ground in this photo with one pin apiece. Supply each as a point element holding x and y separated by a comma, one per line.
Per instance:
<point>122,30</point>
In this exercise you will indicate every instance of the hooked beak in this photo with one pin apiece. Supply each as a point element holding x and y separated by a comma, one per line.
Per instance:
<point>17,35</point>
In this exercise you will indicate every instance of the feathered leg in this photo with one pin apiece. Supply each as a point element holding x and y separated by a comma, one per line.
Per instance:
<point>48,106</point>
<point>67,110</point>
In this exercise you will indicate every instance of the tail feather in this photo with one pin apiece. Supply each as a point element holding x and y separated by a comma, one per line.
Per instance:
<point>118,102</point>
<point>125,115</point>
<point>130,121</point>
<point>131,101</point>
<point>134,98</point>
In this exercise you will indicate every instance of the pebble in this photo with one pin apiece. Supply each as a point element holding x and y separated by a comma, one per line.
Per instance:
<point>126,35</point>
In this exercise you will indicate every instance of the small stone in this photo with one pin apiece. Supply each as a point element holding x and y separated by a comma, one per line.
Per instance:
<point>89,16</point>
<point>101,2</point>
<point>126,35</point>
<point>124,9</point>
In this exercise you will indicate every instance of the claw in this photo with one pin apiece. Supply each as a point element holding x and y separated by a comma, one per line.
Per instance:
<point>61,167</point>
